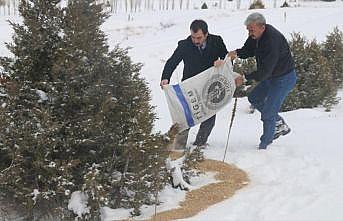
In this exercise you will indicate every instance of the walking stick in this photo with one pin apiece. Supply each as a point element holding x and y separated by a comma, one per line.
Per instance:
<point>231,122</point>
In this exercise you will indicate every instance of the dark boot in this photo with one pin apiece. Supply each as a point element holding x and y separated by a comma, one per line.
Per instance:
<point>281,129</point>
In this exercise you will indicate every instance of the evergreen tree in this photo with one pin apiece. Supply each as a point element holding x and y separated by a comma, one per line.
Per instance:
<point>285,4</point>
<point>244,66</point>
<point>333,51</point>
<point>256,4</point>
<point>106,109</point>
<point>107,120</point>
<point>26,170</point>
<point>204,6</point>
<point>81,117</point>
<point>137,152</point>
<point>315,85</point>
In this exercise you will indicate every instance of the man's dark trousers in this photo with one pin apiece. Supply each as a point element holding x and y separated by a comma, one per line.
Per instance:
<point>201,138</point>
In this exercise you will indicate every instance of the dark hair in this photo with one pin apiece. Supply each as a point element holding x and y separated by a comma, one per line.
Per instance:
<point>199,24</point>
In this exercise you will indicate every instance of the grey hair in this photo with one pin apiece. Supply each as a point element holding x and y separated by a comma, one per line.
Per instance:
<point>255,17</point>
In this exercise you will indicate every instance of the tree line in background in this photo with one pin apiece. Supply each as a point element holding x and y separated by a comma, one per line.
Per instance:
<point>319,68</point>
<point>116,6</point>
<point>10,7</point>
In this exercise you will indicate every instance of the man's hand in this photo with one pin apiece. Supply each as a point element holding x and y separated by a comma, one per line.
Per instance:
<point>239,80</point>
<point>232,55</point>
<point>164,82</point>
<point>218,63</point>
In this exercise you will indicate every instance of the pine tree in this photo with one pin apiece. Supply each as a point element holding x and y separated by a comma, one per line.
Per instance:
<point>256,4</point>
<point>80,118</point>
<point>333,51</point>
<point>105,117</point>
<point>25,119</point>
<point>138,151</point>
<point>244,66</point>
<point>315,80</point>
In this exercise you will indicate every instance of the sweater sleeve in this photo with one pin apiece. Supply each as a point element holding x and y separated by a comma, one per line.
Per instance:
<point>248,49</point>
<point>172,63</point>
<point>268,62</point>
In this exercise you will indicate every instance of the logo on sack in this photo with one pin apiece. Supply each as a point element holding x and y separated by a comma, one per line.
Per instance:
<point>217,92</point>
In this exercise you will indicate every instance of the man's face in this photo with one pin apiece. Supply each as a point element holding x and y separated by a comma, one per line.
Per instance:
<point>198,38</point>
<point>255,30</point>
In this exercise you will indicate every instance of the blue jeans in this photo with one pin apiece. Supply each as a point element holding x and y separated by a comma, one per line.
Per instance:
<point>267,97</point>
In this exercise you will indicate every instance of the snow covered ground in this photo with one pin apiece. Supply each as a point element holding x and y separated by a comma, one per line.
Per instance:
<point>299,177</point>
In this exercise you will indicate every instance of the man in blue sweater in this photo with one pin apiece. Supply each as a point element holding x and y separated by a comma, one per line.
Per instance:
<point>275,74</point>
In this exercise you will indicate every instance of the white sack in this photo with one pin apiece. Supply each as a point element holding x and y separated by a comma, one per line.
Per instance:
<point>198,98</point>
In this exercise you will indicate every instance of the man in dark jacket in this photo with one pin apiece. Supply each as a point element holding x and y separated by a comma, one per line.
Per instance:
<point>198,52</point>
<point>275,74</point>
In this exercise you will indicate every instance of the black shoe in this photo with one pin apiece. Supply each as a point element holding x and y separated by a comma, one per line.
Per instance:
<point>281,129</point>
<point>200,145</point>
<point>196,143</point>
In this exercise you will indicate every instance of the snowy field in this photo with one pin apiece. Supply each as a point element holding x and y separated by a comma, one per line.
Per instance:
<point>299,177</point>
